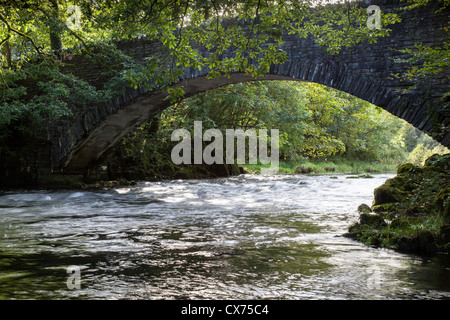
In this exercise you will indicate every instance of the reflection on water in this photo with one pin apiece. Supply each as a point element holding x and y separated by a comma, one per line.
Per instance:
<point>246,237</point>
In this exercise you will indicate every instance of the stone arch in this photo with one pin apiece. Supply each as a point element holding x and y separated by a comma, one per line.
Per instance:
<point>111,130</point>
<point>364,71</point>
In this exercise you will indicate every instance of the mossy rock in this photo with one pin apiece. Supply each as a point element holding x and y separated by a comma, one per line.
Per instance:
<point>386,194</point>
<point>303,169</point>
<point>441,161</point>
<point>399,182</point>
<point>423,242</point>
<point>235,171</point>
<point>399,223</point>
<point>387,208</point>
<point>444,234</point>
<point>354,231</point>
<point>80,185</point>
<point>372,220</point>
<point>375,238</point>
<point>364,208</point>
<point>407,167</point>
<point>442,201</point>
<point>109,184</point>
<point>242,170</point>
<point>365,233</point>
<point>360,176</point>
<point>415,193</point>
<point>409,185</point>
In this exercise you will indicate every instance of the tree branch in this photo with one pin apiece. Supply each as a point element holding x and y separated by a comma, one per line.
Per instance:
<point>6,39</point>
<point>10,28</point>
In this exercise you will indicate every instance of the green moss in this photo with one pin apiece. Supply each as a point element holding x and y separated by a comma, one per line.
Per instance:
<point>399,223</point>
<point>373,220</point>
<point>364,208</point>
<point>442,201</point>
<point>406,235</point>
<point>303,169</point>
<point>406,168</point>
<point>386,208</point>
<point>441,161</point>
<point>361,176</point>
<point>417,201</point>
<point>387,194</point>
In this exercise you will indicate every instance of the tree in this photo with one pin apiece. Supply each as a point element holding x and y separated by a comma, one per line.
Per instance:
<point>252,105</point>
<point>427,62</point>
<point>54,26</point>
<point>241,27</point>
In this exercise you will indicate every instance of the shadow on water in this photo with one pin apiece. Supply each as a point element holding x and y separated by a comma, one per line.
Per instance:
<point>192,267</point>
<point>238,238</point>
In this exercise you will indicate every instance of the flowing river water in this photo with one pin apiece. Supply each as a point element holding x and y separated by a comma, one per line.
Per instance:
<point>244,237</point>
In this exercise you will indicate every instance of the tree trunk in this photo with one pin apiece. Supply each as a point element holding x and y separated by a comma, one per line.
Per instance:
<point>55,29</point>
<point>6,51</point>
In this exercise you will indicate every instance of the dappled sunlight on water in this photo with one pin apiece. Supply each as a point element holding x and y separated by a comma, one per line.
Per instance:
<point>245,237</point>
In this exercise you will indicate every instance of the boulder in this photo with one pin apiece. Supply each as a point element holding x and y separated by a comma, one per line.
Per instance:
<point>372,220</point>
<point>414,194</point>
<point>441,161</point>
<point>364,208</point>
<point>386,208</point>
<point>354,231</point>
<point>235,170</point>
<point>442,201</point>
<point>385,194</point>
<point>422,243</point>
<point>444,234</point>
<point>303,169</point>
<point>406,168</point>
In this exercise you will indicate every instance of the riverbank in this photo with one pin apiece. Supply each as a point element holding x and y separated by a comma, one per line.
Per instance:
<point>118,177</point>
<point>337,165</point>
<point>105,178</point>
<point>410,212</point>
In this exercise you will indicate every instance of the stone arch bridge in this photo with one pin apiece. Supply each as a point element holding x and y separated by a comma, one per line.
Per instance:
<point>364,71</point>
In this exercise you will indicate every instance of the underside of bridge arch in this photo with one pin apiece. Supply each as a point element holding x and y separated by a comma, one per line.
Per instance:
<point>142,106</point>
<point>365,71</point>
<point>109,132</point>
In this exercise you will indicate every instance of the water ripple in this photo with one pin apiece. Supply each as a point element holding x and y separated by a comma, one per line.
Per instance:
<point>245,237</point>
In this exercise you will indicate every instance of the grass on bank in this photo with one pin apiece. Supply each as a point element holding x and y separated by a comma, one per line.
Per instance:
<point>411,211</point>
<point>391,235</point>
<point>335,166</point>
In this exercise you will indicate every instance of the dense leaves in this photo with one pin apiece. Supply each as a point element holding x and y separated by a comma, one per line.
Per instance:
<point>233,32</point>
<point>426,62</point>
<point>314,121</point>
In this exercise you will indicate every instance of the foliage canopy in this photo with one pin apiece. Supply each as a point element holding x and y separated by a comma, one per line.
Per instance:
<point>36,42</point>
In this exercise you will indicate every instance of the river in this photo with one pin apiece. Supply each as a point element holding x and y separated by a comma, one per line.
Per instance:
<point>244,237</point>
